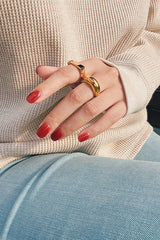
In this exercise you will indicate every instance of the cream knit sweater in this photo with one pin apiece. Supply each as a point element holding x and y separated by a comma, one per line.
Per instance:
<point>125,33</point>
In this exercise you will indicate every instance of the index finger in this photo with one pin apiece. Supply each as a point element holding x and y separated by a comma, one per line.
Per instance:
<point>62,77</point>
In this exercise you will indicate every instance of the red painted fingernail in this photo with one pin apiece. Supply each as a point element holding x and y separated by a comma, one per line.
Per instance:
<point>83,137</point>
<point>38,68</point>
<point>43,130</point>
<point>33,96</point>
<point>57,134</point>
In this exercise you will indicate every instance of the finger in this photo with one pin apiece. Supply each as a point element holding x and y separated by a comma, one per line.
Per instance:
<point>89,111</point>
<point>62,77</point>
<point>45,72</point>
<point>71,102</point>
<point>112,115</point>
<point>64,109</point>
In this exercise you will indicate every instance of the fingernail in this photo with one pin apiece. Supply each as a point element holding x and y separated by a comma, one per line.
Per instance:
<point>33,96</point>
<point>57,134</point>
<point>83,137</point>
<point>43,130</point>
<point>38,68</point>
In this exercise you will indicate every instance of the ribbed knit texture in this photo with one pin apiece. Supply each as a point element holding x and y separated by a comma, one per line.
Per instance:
<point>51,32</point>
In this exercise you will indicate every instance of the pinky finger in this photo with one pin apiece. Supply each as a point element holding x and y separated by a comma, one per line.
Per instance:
<point>111,116</point>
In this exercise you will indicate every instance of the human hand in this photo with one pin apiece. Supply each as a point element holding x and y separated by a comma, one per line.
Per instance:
<point>62,121</point>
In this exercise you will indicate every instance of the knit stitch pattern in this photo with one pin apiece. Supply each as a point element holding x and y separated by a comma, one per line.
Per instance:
<point>51,32</point>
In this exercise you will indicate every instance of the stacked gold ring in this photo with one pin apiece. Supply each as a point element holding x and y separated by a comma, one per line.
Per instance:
<point>93,83</point>
<point>79,66</point>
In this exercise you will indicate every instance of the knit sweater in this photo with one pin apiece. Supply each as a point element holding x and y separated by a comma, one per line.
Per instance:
<point>122,33</point>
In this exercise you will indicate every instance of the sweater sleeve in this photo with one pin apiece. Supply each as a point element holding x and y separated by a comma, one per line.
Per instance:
<point>139,66</point>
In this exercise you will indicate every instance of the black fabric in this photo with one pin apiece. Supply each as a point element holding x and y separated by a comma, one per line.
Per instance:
<point>153,109</point>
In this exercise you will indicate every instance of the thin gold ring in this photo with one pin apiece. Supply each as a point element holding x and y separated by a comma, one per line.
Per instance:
<point>93,84</point>
<point>79,66</point>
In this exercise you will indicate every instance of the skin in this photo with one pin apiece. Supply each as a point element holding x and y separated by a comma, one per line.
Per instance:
<point>111,101</point>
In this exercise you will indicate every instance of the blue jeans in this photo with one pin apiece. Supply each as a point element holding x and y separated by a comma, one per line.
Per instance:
<point>157,130</point>
<point>80,197</point>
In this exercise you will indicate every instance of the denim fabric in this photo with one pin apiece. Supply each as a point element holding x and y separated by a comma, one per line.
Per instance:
<point>157,130</point>
<point>79,197</point>
<point>151,149</point>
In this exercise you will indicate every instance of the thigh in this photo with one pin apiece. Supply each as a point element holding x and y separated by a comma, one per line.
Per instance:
<point>76,196</point>
<point>151,149</point>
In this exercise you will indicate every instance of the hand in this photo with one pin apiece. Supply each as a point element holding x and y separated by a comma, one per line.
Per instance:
<point>61,121</point>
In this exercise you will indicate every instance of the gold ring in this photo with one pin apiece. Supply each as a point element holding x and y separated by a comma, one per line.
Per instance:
<point>93,84</point>
<point>79,66</point>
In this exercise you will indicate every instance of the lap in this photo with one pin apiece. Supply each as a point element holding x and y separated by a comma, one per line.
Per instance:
<point>151,149</point>
<point>76,196</point>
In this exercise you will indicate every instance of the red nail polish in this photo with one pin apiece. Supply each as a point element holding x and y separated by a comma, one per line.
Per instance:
<point>57,134</point>
<point>38,68</point>
<point>43,130</point>
<point>33,96</point>
<point>83,137</point>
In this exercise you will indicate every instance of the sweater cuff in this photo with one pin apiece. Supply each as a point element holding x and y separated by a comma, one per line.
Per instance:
<point>134,86</point>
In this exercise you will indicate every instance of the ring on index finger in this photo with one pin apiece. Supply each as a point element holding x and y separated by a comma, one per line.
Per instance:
<point>79,66</point>
<point>86,79</point>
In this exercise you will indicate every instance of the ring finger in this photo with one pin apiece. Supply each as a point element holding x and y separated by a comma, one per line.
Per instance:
<point>88,112</point>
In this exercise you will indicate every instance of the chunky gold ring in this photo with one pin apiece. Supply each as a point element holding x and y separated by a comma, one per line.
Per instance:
<point>93,84</point>
<point>79,66</point>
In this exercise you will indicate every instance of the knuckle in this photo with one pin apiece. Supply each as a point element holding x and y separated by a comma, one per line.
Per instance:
<point>110,121</point>
<point>114,71</point>
<point>65,72</point>
<point>52,120</point>
<point>75,97</point>
<point>96,130</point>
<point>90,109</point>
<point>95,59</point>
<point>113,116</point>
